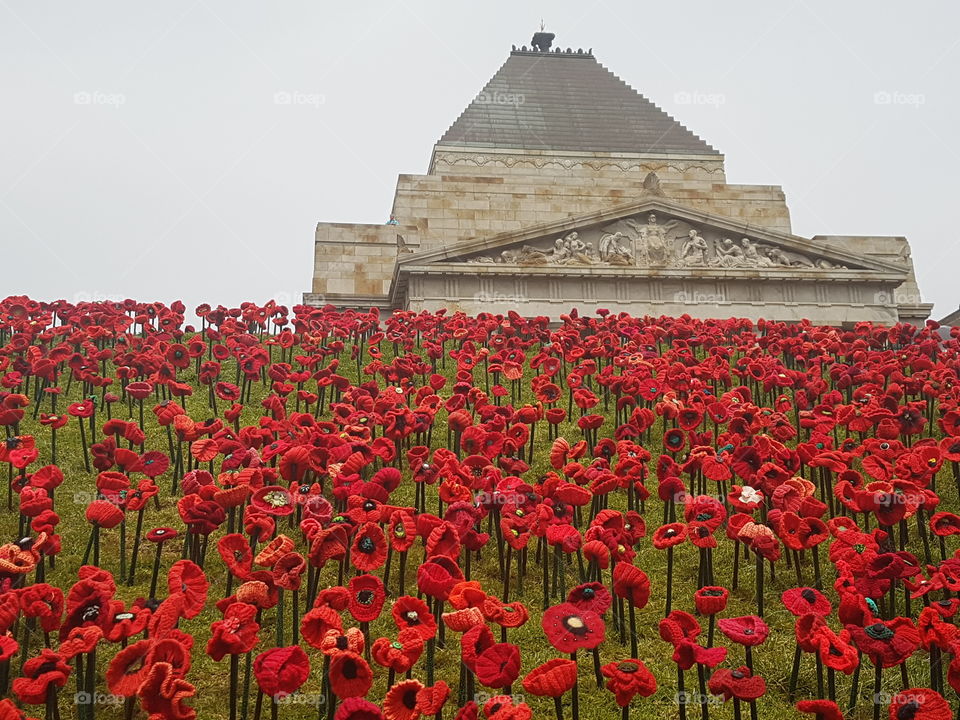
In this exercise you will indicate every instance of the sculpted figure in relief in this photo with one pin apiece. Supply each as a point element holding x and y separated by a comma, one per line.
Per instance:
<point>694,250</point>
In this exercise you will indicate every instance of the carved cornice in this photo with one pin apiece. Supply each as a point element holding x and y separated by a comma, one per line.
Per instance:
<point>538,162</point>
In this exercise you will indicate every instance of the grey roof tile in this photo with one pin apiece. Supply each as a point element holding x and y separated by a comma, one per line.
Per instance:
<point>561,101</point>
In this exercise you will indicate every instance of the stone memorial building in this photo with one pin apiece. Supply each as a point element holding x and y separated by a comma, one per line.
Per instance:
<point>561,186</point>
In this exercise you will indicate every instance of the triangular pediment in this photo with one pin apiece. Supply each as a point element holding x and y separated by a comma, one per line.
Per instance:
<point>653,233</point>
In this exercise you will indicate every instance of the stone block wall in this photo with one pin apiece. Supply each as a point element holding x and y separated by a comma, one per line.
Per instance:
<point>356,260</point>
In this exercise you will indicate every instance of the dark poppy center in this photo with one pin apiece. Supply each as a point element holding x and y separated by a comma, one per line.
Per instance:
<point>576,625</point>
<point>879,631</point>
<point>809,595</point>
<point>628,667</point>
<point>46,667</point>
<point>366,545</point>
<point>365,597</point>
<point>350,670</point>
<point>90,613</point>
<point>738,674</point>
<point>588,593</point>
<point>908,711</point>
<point>413,617</point>
<point>410,699</point>
<point>369,505</point>
<point>712,593</point>
<point>342,643</point>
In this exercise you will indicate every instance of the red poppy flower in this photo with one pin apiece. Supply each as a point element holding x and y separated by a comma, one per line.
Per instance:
<point>669,535</point>
<point>400,654</point>
<point>281,670</point>
<point>919,704</point>
<point>748,630</point>
<point>400,702</point>
<point>821,709</point>
<point>367,596</point>
<point>627,679</point>
<point>886,642</point>
<point>739,683</point>
<point>369,549</point>
<point>356,708</point>
<point>163,693</point>
<point>128,669</point>
<point>411,612</point>
<point>710,600</point>
<point>632,583</point>
<point>188,578</point>
<point>38,674</point>
<point>568,628</point>
<point>234,550</point>
<point>430,700</point>
<point>498,666</point>
<point>235,634</point>
<point>551,679</point>
<point>161,534</point>
<point>804,600</point>
<point>437,576</point>
<point>273,500</point>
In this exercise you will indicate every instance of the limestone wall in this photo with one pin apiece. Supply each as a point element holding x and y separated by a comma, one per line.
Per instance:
<point>449,208</point>
<point>355,259</point>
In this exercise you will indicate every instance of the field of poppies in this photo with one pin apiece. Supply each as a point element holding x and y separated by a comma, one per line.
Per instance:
<point>312,513</point>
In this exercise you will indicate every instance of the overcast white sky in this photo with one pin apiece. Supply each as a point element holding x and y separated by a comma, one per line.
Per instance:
<point>144,153</point>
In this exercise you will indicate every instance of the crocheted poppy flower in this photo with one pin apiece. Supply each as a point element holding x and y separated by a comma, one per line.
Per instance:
<point>43,601</point>
<point>430,700</point>
<point>821,709</point>
<point>886,642</point>
<point>236,633</point>
<point>688,653</point>
<point>288,571</point>
<point>128,669</point>
<point>498,666</point>
<point>508,615</point>
<point>473,643</point>
<point>88,603</point>
<point>274,550</point>
<point>677,626</point>
<point>669,535</point>
<point>437,576</point>
<point>402,530</point>
<point>369,549</point>
<point>748,630</point>
<point>317,622</point>
<point>104,514</point>
<point>400,654</point>
<point>631,583</point>
<point>234,550</point>
<point>356,708</point>
<point>836,651</point>
<point>551,679</point>
<point>400,702</point>
<point>463,620</point>
<point>919,704</point>
<point>281,670</point>
<point>367,596</point>
<point>803,600</point>
<point>627,679</point>
<point>123,623</point>
<point>592,596</point>
<point>568,628</point>
<point>711,599</point>
<point>412,613</point>
<point>161,535</point>
<point>188,578</point>
<point>740,684</point>
<point>274,500</point>
<point>163,693</point>
<point>335,641</point>
<point>39,673</point>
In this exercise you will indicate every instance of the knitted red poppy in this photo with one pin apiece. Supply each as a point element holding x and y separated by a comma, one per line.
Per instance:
<point>740,684</point>
<point>688,653</point>
<point>369,549</point>
<point>748,630</point>
<point>356,708</point>
<point>104,514</point>
<point>886,642</point>
<point>498,666</point>
<point>367,596</point>
<point>161,534</point>
<point>551,679</point>
<point>631,583</point>
<point>669,535</point>
<point>412,613</point>
<point>677,626</point>
<point>437,576</point>
<point>188,578</point>
<point>430,700</point>
<point>281,670</point>
<point>350,675</point>
<point>400,654</point>
<point>234,550</point>
<point>473,643</point>
<point>317,622</point>
<point>288,570</point>
<point>919,704</point>
<point>400,702</point>
<point>821,709</point>
<point>592,596</point>
<point>235,634</point>
<point>128,669</point>
<point>568,628</point>
<point>803,600</point>
<point>508,615</point>
<point>627,679</point>
<point>163,693</point>
<point>38,674</point>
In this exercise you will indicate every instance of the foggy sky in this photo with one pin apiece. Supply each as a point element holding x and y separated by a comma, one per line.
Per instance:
<point>186,150</point>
